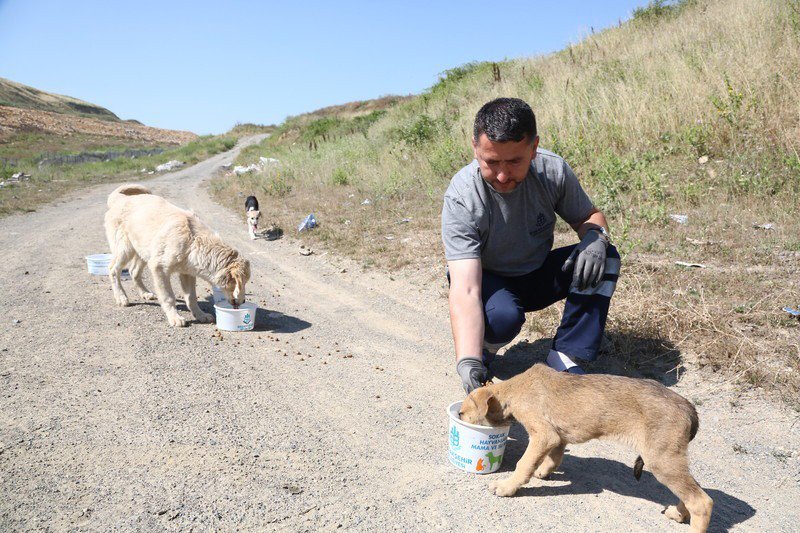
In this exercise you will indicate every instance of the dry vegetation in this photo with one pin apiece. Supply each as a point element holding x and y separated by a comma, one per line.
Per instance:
<point>690,108</point>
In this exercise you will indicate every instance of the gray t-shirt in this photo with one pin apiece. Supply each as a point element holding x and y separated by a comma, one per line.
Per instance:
<point>511,233</point>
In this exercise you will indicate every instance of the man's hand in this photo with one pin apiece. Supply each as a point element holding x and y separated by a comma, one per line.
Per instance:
<point>473,373</point>
<point>591,260</point>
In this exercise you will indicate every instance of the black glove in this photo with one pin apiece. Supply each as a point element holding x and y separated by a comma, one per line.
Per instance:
<point>591,260</point>
<point>473,373</point>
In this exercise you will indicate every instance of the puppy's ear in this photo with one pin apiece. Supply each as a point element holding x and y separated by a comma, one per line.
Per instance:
<point>488,405</point>
<point>484,400</point>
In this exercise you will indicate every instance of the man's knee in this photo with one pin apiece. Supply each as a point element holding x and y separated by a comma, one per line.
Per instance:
<point>503,323</point>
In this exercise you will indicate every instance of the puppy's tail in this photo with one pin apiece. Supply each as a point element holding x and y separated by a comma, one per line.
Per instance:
<point>637,468</point>
<point>129,189</point>
<point>694,422</point>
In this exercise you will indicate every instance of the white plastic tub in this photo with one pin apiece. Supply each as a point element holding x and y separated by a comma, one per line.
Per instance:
<point>97,264</point>
<point>473,448</point>
<point>241,319</point>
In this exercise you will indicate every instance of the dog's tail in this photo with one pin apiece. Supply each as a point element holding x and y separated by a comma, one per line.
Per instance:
<point>129,189</point>
<point>694,422</point>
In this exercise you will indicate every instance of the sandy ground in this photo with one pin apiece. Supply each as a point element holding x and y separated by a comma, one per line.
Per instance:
<point>330,415</point>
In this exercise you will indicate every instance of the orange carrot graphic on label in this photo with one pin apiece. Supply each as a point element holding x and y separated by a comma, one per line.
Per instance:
<point>479,466</point>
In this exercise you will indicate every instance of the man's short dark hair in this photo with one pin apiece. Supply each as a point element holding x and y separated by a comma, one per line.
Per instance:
<point>505,119</point>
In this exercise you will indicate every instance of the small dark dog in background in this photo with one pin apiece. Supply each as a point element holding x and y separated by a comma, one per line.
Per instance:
<point>253,214</point>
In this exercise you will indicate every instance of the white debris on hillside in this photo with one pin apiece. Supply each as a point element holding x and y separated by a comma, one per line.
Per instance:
<point>255,167</point>
<point>239,170</point>
<point>169,165</point>
<point>14,179</point>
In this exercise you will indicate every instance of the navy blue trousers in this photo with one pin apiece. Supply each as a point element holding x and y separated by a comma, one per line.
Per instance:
<point>507,299</point>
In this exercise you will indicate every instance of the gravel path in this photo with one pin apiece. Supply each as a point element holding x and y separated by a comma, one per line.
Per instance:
<point>331,414</point>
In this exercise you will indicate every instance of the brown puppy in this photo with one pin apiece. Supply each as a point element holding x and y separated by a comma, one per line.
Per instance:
<point>557,408</point>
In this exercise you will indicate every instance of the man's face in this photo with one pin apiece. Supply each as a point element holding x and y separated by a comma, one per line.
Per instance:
<point>504,165</point>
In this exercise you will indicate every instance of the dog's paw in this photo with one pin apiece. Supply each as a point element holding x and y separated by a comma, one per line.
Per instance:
<point>177,321</point>
<point>205,318</point>
<point>542,473</point>
<point>503,488</point>
<point>673,513</point>
<point>148,296</point>
<point>122,301</point>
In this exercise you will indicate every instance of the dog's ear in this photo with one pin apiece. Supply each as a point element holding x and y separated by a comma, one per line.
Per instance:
<point>495,410</point>
<point>488,405</point>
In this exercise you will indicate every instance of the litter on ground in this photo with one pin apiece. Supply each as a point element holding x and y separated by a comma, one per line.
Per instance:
<point>169,165</point>
<point>794,312</point>
<point>310,222</point>
<point>689,265</point>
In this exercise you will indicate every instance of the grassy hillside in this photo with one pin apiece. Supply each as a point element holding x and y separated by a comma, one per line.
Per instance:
<point>18,95</point>
<point>690,108</point>
<point>50,181</point>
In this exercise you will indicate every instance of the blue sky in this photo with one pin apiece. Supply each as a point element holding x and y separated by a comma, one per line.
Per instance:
<point>203,66</point>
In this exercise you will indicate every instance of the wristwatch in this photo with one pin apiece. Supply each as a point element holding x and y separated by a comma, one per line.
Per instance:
<point>603,234</point>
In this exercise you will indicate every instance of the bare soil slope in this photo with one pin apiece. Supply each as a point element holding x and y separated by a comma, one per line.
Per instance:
<point>13,119</point>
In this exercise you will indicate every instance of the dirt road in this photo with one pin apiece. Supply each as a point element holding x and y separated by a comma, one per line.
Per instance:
<point>331,415</point>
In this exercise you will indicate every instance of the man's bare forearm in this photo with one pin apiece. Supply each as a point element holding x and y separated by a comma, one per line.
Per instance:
<point>466,319</point>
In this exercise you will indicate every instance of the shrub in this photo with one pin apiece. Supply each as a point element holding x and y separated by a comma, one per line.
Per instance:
<point>450,77</point>
<point>446,157</point>
<point>321,128</point>
<point>339,176</point>
<point>362,123</point>
<point>276,183</point>
<point>419,132</point>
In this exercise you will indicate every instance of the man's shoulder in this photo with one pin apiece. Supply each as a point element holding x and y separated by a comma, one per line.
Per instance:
<point>549,159</point>
<point>549,165</point>
<point>463,182</point>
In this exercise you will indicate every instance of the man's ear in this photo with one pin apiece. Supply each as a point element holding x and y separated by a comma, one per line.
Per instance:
<point>475,147</point>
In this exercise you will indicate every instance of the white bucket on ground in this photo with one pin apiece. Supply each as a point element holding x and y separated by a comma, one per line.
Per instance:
<point>473,448</point>
<point>241,319</point>
<point>217,294</point>
<point>98,264</point>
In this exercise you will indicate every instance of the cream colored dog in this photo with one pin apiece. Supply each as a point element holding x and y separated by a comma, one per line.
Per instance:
<point>145,229</point>
<point>557,408</point>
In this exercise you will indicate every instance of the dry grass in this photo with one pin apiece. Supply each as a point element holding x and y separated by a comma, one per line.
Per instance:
<point>694,111</point>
